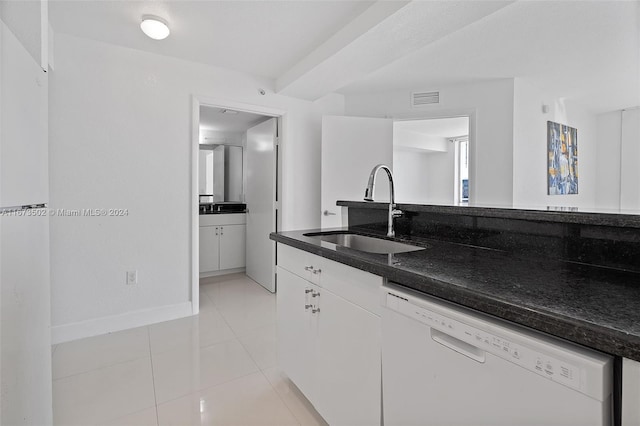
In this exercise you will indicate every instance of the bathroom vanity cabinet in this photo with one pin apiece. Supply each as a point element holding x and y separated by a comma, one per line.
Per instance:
<point>222,243</point>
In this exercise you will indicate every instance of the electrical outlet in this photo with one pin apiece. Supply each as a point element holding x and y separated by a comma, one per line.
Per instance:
<point>132,277</point>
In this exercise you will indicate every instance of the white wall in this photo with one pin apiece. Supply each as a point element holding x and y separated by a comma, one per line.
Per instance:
<point>608,164</point>
<point>120,138</point>
<point>618,153</point>
<point>490,128</point>
<point>212,137</point>
<point>630,176</point>
<point>530,148</point>
<point>408,139</point>
<point>423,177</point>
<point>441,168</point>
<point>410,176</point>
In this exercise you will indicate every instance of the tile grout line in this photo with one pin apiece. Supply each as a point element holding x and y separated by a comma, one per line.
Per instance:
<point>260,370</point>
<point>208,388</point>
<point>235,335</point>
<point>98,368</point>
<point>153,375</point>
<point>281,398</point>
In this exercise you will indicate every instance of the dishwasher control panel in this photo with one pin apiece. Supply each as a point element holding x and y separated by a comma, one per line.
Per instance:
<point>491,339</point>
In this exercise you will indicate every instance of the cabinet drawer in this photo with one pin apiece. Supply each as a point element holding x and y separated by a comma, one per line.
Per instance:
<point>356,286</point>
<point>299,262</point>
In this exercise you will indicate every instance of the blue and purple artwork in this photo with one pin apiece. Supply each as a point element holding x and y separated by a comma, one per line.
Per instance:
<point>562,146</point>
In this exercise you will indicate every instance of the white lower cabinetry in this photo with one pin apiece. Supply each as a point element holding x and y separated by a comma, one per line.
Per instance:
<point>348,368</point>
<point>297,331</point>
<point>630,392</point>
<point>222,243</point>
<point>329,344</point>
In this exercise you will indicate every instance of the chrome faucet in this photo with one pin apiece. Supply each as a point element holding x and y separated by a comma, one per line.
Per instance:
<point>368,196</point>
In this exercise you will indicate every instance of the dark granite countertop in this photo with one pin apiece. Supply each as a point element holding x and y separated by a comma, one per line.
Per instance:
<point>589,305</point>
<point>222,212</point>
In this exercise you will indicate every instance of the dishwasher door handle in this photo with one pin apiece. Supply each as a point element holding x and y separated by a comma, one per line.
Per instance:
<point>458,345</point>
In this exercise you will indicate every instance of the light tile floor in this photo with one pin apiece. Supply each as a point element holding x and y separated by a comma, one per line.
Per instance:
<point>218,368</point>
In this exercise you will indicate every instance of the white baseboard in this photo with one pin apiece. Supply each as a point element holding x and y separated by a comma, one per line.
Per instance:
<point>104,325</point>
<point>221,272</point>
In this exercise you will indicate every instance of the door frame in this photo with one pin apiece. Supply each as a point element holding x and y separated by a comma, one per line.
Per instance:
<point>451,113</point>
<point>282,119</point>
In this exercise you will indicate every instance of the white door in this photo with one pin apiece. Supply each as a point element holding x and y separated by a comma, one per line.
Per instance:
<point>232,246</point>
<point>260,200</point>
<point>351,147</point>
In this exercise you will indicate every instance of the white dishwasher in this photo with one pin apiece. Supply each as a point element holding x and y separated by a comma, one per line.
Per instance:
<point>443,364</point>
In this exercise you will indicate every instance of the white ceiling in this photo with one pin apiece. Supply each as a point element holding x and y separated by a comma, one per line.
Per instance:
<point>263,38</point>
<point>588,51</point>
<point>213,119</point>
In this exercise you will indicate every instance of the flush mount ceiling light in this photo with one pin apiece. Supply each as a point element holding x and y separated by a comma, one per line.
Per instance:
<point>154,27</point>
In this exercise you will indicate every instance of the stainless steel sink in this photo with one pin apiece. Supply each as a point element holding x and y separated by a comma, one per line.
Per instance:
<point>364,243</point>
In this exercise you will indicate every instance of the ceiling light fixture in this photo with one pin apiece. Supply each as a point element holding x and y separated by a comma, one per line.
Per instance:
<point>154,27</point>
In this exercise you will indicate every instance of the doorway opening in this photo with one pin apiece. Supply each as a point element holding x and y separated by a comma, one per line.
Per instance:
<point>431,160</point>
<point>234,191</point>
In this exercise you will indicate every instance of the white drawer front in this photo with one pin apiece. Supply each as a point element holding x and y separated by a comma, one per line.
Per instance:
<point>299,262</point>
<point>358,287</point>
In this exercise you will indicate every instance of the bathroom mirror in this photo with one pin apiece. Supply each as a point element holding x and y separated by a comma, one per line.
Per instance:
<point>220,173</point>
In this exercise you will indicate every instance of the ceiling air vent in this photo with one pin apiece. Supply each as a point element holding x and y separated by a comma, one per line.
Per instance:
<point>424,98</point>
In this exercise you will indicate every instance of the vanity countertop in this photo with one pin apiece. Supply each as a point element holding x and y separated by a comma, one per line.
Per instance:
<point>222,212</point>
<point>594,306</point>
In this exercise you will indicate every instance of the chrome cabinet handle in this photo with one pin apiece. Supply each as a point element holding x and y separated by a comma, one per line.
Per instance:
<point>308,268</point>
<point>308,290</point>
<point>316,271</point>
<point>307,307</point>
<point>315,311</point>
<point>316,294</point>
<point>328,213</point>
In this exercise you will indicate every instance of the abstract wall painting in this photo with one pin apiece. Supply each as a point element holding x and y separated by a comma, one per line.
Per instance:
<point>562,146</point>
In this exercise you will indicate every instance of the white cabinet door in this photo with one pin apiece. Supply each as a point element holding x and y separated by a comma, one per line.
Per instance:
<point>209,248</point>
<point>296,331</point>
<point>351,147</point>
<point>348,363</point>
<point>630,392</point>
<point>232,246</point>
